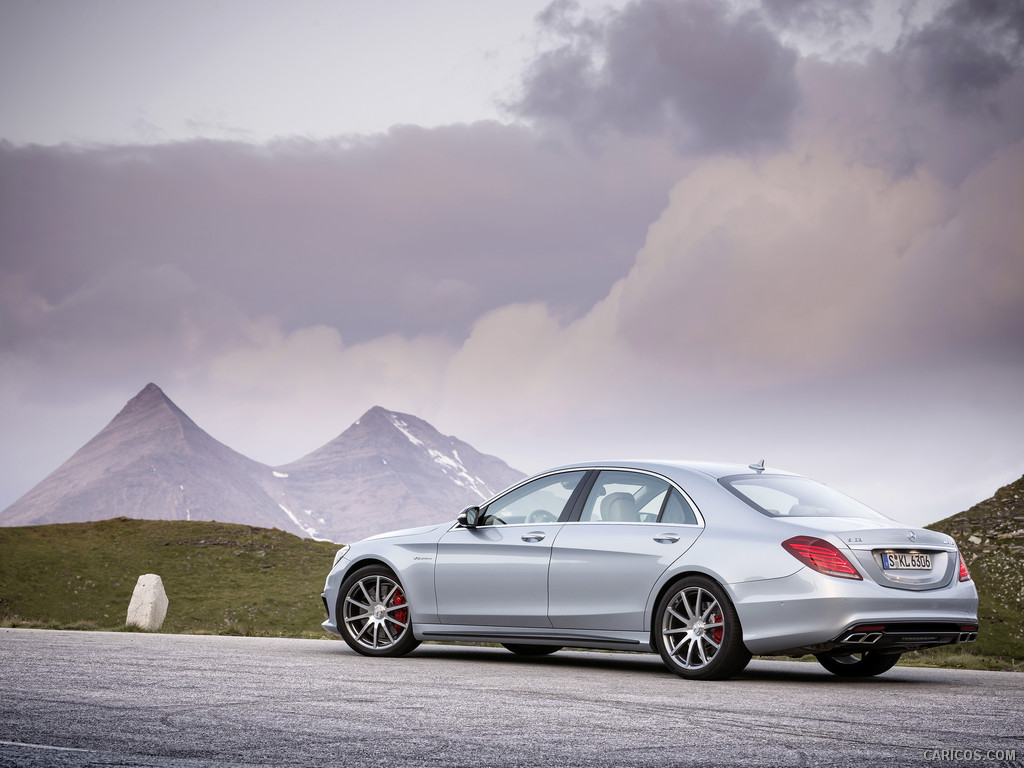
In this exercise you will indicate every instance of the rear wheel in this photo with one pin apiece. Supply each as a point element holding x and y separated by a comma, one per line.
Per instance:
<point>867,664</point>
<point>374,613</point>
<point>532,650</point>
<point>697,631</point>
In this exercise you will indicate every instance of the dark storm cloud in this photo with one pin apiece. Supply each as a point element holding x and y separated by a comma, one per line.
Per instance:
<point>966,52</point>
<point>418,231</point>
<point>685,68</point>
<point>944,100</point>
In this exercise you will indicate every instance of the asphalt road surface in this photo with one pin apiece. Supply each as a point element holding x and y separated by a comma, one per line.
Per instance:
<point>125,699</point>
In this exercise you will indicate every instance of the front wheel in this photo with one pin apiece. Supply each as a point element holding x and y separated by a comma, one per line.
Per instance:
<point>374,614</point>
<point>867,664</point>
<point>697,631</point>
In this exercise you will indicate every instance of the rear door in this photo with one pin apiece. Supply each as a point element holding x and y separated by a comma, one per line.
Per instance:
<point>632,527</point>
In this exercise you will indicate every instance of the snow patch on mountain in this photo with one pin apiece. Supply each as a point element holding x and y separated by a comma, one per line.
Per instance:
<point>309,530</point>
<point>402,427</point>
<point>452,465</point>
<point>461,476</point>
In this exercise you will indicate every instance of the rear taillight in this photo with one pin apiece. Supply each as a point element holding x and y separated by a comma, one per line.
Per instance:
<point>965,575</point>
<point>821,556</point>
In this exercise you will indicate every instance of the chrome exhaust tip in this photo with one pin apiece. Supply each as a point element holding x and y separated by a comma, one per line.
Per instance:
<point>866,638</point>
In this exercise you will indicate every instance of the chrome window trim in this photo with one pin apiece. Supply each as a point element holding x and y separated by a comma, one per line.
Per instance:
<point>622,522</point>
<point>701,523</point>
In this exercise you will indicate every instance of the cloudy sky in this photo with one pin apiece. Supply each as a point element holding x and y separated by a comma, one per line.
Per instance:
<point>787,229</point>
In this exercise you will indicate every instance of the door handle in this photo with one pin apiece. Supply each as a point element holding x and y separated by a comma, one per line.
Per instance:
<point>533,536</point>
<point>667,538</point>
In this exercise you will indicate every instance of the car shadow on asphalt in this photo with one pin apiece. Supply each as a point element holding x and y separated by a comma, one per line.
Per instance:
<point>778,670</point>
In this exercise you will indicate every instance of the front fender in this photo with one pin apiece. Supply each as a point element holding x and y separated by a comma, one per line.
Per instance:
<point>410,560</point>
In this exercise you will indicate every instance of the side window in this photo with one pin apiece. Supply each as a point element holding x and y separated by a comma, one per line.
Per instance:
<point>625,497</point>
<point>540,501</point>
<point>677,510</point>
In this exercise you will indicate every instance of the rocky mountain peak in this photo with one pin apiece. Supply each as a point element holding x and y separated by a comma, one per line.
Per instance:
<point>149,403</point>
<point>151,397</point>
<point>383,421</point>
<point>149,392</point>
<point>409,427</point>
<point>388,470</point>
<point>153,462</point>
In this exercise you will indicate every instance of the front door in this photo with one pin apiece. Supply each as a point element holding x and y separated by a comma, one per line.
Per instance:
<point>497,573</point>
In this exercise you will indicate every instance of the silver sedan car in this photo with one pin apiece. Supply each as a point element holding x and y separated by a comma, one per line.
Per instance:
<point>705,564</point>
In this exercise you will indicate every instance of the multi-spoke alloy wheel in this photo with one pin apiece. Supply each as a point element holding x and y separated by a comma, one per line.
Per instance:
<point>697,631</point>
<point>374,614</point>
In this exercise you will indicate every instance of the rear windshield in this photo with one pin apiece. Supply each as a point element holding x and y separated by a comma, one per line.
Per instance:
<point>788,496</point>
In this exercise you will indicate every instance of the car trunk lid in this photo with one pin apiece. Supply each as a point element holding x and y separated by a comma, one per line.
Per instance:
<point>901,557</point>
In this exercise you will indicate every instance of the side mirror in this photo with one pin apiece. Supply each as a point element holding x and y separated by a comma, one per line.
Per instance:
<point>469,517</point>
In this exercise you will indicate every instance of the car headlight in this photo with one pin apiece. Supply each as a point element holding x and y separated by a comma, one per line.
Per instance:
<point>340,554</point>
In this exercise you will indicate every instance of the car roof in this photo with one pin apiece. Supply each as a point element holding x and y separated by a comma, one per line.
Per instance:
<point>710,469</point>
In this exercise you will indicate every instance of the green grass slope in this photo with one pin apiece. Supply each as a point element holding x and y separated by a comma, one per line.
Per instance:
<point>220,578</point>
<point>991,537</point>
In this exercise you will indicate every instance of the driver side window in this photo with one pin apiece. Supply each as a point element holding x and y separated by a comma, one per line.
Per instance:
<point>537,502</point>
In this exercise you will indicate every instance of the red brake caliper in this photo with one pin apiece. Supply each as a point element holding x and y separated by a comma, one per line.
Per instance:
<point>402,615</point>
<point>718,633</point>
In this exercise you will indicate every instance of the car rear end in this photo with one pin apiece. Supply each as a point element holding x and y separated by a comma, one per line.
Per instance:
<point>916,566</point>
<point>867,583</point>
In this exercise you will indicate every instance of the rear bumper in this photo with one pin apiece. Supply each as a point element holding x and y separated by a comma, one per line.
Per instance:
<point>895,637</point>
<point>808,612</point>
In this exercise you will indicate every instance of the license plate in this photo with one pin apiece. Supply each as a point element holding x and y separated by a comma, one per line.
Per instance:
<point>906,561</point>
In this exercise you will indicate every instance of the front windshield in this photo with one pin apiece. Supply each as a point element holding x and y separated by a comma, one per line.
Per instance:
<point>790,496</point>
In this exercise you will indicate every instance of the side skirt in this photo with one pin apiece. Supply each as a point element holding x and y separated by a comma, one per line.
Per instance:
<point>617,641</point>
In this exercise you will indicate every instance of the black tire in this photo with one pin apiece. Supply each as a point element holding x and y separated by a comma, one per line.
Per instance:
<point>697,631</point>
<point>532,650</point>
<point>867,664</point>
<point>373,613</point>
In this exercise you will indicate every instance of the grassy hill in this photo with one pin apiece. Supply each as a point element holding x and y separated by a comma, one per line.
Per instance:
<point>991,537</point>
<point>220,578</point>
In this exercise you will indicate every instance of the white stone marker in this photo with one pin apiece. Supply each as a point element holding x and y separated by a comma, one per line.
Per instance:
<point>149,603</point>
